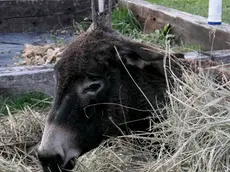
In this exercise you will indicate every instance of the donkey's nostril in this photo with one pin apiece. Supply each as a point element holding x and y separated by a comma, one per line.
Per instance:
<point>54,163</point>
<point>50,161</point>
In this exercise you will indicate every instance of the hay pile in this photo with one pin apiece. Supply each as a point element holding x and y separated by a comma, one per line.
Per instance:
<point>195,137</point>
<point>41,54</point>
<point>19,135</point>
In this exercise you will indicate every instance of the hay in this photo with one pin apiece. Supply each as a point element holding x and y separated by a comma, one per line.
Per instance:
<point>195,137</point>
<point>19,134</point>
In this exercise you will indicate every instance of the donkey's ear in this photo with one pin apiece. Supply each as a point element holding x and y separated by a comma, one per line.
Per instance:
<point>140,55</point>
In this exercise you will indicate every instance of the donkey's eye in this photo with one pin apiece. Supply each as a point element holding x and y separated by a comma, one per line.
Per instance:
<point>94,87</point>
<point>90,87</point>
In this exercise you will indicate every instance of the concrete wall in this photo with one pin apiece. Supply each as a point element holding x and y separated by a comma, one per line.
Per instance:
<point>19,80</point>
<point>41,15</point>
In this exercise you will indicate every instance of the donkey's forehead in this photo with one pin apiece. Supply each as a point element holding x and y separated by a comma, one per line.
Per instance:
<point>81,59</point>
<point>91,52</point>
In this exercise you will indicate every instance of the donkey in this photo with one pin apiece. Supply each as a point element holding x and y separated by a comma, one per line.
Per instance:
<point>105,84</point>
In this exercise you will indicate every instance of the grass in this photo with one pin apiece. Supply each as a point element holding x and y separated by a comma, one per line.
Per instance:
<point>124,21</point>
<point>198,7</point>
<point>33,99</point>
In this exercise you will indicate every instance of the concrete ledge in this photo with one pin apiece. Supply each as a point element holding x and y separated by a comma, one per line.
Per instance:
<point>22,79</point>
<point>189,28</point>
<point>41,15</point>
<point>218,55</point>
<point>19,80</point>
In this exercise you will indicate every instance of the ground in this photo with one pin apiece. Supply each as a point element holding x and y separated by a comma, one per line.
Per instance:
<point>198,7</point>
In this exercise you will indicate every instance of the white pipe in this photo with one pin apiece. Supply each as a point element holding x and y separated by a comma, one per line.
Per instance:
<point>215,12</point>
<point>101,6</point>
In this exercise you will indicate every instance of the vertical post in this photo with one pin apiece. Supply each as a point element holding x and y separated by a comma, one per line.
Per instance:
<point>215,12</point>
<point>101,6</point>
<point>110,14</point>
<point>94,14</point>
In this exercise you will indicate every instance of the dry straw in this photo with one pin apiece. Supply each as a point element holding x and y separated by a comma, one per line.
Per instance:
<point>20,132</point>
<point>194,137</point>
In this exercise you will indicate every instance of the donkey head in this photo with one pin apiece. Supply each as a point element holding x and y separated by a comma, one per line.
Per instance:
<point>91,84</point>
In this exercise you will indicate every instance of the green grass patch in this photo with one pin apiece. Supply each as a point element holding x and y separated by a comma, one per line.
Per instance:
<point>33,99</point>
<point>124,21</point>
<point>198,7</point>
